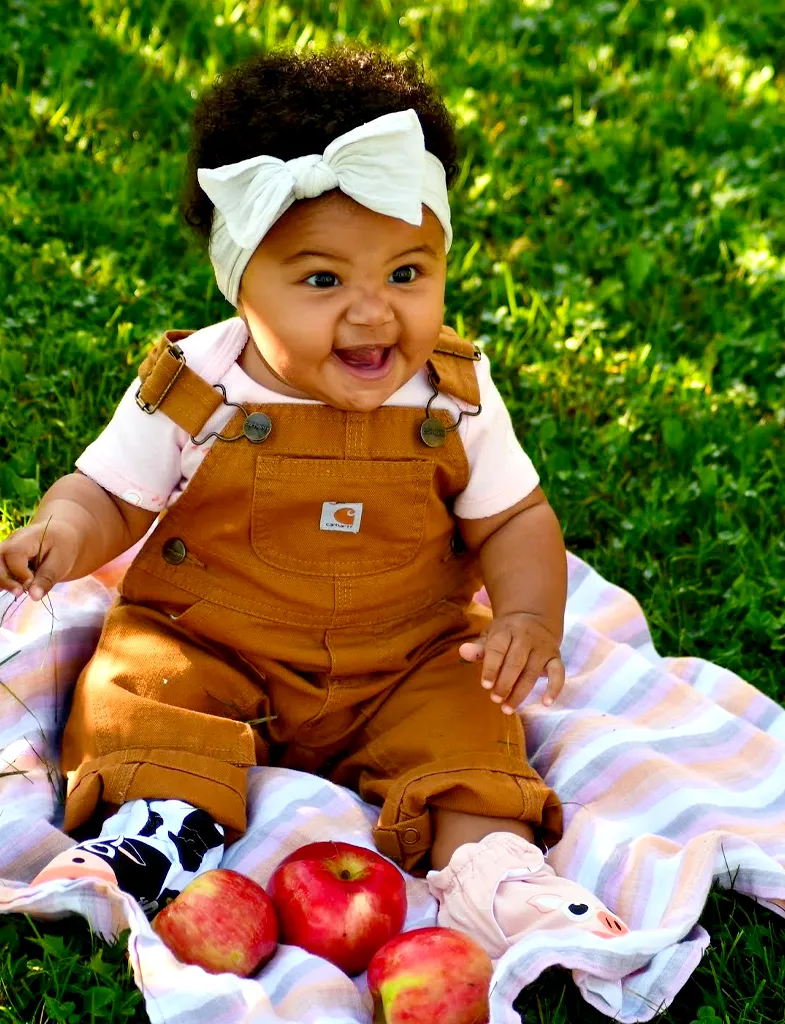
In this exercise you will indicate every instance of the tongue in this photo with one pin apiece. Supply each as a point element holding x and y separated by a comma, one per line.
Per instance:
<point>367,356</point>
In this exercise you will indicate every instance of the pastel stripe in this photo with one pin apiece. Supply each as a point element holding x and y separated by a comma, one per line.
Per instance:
<point>672,773</point>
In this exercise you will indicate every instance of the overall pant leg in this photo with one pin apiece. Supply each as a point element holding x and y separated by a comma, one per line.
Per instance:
<point>158,714</point>
<point>437,740</point>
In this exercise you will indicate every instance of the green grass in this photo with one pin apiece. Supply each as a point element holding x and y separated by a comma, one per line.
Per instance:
<point>49,973</point>
<point>620,248</point>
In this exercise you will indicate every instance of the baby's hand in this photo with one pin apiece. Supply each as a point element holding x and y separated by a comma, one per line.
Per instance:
<point>36,557</point>
<point>516,650</point>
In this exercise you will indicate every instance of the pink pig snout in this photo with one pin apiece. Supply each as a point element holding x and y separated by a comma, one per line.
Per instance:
<point>594,918</point>
<point>610,925</point>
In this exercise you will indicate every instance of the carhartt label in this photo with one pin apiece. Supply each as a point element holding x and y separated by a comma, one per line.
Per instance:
<point>341,515</point>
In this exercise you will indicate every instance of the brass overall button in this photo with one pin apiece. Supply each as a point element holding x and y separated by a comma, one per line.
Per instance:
<point>175,551</point>
<point>410,836</point>
<point>433,432</point>
<point>257,426</point>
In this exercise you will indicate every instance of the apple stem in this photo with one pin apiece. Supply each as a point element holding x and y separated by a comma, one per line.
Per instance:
<point>346,875</point>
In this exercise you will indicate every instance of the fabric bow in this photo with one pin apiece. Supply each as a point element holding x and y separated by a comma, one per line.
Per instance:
<point>382,164</point>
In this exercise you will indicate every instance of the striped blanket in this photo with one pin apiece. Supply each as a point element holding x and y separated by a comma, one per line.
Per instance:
<point>672,772</point>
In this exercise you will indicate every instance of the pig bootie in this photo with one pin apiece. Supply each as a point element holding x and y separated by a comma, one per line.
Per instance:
<point>500,889</point>
<point>151,849</point>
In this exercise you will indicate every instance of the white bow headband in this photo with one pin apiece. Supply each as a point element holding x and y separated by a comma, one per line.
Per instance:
<point>382,164</point>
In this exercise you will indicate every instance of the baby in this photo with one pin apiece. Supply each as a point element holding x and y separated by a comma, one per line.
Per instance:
<point>324,481</point>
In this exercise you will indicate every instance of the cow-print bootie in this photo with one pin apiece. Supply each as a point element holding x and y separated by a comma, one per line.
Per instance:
<point>500,889</point>
<point>151,849</point>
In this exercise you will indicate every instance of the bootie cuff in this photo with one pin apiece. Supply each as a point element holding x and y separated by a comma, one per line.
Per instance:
<point>466,889</point>
<point>500,889</point>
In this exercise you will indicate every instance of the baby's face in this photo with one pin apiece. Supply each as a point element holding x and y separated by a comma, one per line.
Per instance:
<point>343,303</point>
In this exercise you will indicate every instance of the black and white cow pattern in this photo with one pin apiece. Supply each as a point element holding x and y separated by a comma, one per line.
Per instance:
<point>156,847</point>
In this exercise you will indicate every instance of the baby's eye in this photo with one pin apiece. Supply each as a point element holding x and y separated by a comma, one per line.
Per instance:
<point>404,275</point>
<point>322,279</point>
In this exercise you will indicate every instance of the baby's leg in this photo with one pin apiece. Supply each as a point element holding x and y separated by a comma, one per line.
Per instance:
<point>151,849</point>
<point>451,774</point>
<point>155,713</point>
<point>454,828</point>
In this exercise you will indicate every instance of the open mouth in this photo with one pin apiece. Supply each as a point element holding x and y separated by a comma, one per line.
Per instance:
<point>367,361</point>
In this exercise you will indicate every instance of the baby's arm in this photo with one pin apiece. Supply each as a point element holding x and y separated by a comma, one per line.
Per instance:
<point>78,528</point>
<point>524,568</point>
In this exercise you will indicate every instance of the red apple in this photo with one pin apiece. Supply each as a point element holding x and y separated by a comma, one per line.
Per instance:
<point>222,921</point>
<point>429,975</point>
<point>339,901</point>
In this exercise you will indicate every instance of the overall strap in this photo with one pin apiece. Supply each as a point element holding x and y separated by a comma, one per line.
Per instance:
<point>453,362</point>
<point>170,385</point>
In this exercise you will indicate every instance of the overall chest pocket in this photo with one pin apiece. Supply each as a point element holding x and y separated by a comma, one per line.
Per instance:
<point>336,517</point>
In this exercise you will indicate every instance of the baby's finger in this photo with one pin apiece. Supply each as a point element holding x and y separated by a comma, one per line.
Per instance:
<point>556,677</point>
<point>8,580</point>
<point>515,661</point>
<point>49,572</point>
<point>495,650</point>
<point>534,668</point>
<point>472,650</point>
<point>17,561</point>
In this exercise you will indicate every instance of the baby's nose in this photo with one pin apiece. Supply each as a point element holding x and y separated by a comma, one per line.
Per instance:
<point>369,308</point>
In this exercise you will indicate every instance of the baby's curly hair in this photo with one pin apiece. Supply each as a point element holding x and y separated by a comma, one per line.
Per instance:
<point>289,105</point>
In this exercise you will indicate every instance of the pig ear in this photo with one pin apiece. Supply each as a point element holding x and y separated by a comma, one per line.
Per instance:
<point>545,902</point>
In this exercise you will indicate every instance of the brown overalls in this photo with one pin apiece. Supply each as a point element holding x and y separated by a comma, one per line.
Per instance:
<point>301,605</point>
